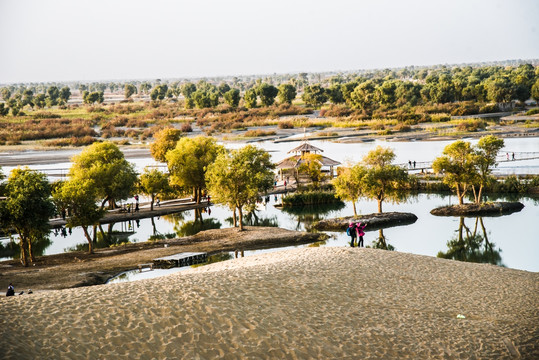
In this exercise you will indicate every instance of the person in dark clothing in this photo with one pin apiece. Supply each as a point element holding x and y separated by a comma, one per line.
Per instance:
<point>351,231</point>
<point>360,233</point>
<point>10,290</point>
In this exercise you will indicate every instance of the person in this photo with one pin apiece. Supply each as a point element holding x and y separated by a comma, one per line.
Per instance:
<point>136,198</point>
<point>351,231</point>
<point>409,164</point>
<point>158,202</point>
<point>513,156</point>
<point>136,207</point>
<point>414,164</point>
<point>360,233</point>
<point>10,290</point>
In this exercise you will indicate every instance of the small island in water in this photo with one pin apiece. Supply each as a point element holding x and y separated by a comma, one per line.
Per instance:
<point>474,209</point>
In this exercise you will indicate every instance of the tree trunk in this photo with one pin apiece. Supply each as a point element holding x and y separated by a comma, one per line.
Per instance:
<point>241,218</point>
<point>90,243</point>
<point>22,243</point>
<point>234,218</point>
<point>380,206</point>
<point>195,199</point>
<point>475,195</point>
<point>458,194</point>
<point>151,202</point>
<point>31,251</point>
<point>354,205</point>
<point>480,194</point>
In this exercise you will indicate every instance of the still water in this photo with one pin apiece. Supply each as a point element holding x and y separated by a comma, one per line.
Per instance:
<point>509,240</point>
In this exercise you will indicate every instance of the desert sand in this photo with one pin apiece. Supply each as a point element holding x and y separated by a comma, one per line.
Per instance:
<point>307,303</point>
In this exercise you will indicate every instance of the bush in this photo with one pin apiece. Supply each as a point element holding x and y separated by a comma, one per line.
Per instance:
<point>471,125</point>
<point>45,115</point>
<point>490,108</point>
<point>310,198</point>
<point>186,127</point>
<point>532,112</point>
<point>258,132</point>
<point>285,125</point>
<point>440,117</point>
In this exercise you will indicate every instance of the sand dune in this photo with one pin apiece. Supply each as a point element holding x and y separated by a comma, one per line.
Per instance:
<point>308,303</point>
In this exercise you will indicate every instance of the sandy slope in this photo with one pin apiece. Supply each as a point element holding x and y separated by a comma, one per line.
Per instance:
<point>306,303</point>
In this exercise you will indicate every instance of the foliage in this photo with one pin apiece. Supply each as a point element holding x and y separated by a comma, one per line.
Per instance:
<point>267,94</point>
<point>164,141</point>
<point>232,97</point>
<point>348,184</point>
<point>153,182</point>
<point>286,94</point>
<point>77,197</point>
<point>114,177</point>
<point>27,209</point>
<point>250,98</point>
<point>187,163</point>
<point>310,198</point>
<point>237,178</point>
<point>311,165</point>
<point>314,95</point>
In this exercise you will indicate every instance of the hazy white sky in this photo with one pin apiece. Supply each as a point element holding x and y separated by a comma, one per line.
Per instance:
<point>62,40</point>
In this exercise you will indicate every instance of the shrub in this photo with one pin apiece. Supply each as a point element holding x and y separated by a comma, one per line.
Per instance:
<point>45,115</point>
<point>440,117</point>
<point>489,108</point>
<point>532,112</point>
<point>186,127</point>
<point>471,125</point>
<point>258,132</point>
<point>285,125</point>
<point>310,198</point>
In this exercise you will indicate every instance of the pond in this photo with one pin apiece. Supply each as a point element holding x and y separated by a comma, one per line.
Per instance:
<point>509,240</point>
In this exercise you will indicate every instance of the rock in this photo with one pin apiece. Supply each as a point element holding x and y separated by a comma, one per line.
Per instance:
<point>492,209</point>
<point>373,221</point>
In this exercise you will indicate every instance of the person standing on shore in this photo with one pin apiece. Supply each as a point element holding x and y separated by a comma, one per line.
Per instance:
<point>10,290</point>
<point>360,233</point>
<point>351,231</point>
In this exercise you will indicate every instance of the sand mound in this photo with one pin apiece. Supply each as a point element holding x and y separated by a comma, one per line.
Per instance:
<point>305,303</point>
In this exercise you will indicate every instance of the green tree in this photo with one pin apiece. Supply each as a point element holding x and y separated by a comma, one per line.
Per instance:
<point>363,97</point>
<point>311,165</point>
<point>457,164</point>
<point>53,94</point>
<point>153,182</point>
<point>114,177</point>
<point>187,163</point>
<point>145,87</point>
<point>6,93</point>
<point>65,94</point>
<point>223,88</point>
<point>535,91</point>
<point>500,89</point>
<point>382,180</point>
<point>335,95</point>
<point>78,197</point>
<point>129,90</point>
<point>164,141</point>
<point>485,159</point>
<point>250,98</point>
<point>314,95</point>
<point>232,97</point>
<point>348,184</point>
<point>27,209</point>
<point>4,110</point>
<point>286,94</point>
<point>237,178</point>
<point>187,89</point>
<point>267,94</point>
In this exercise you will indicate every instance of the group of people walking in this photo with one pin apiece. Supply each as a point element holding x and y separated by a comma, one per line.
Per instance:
<point>356,231</point>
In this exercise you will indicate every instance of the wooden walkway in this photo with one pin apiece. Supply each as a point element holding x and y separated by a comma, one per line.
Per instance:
<point>181,259</point>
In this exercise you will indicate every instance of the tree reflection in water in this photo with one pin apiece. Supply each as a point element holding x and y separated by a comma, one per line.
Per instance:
<point>381,242</point>
<point>253,219</point>
<point>12,249</point>
<point>309,214</point>
<point>472,246</point>
<point>199,224</point>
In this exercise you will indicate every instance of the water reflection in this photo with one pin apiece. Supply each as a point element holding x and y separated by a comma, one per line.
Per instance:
<point>309,214</point>
<point>381,242</point>
<point>472,246</point>
<point>12,249</point>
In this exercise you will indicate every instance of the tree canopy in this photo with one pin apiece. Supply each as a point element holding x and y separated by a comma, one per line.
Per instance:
<point>164,141</point>
<point>237,178</point>
<point>114,177</point>
<point>187,163</point>
<point>27,209</point>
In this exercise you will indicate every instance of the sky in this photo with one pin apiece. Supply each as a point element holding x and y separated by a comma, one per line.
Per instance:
<point>97,40</point>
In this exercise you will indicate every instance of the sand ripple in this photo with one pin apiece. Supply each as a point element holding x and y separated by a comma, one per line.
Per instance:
<point>307,303</point>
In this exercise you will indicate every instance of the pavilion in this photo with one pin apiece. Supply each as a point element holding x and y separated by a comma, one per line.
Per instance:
<point>290,165</point>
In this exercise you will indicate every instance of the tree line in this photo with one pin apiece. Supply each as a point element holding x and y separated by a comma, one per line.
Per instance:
<point>367,91</point>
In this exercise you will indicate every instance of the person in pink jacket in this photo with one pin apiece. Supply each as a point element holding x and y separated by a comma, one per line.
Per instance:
<point>360,233</point>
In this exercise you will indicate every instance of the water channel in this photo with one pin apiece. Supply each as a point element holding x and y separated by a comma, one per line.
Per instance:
<point>509,240</point>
